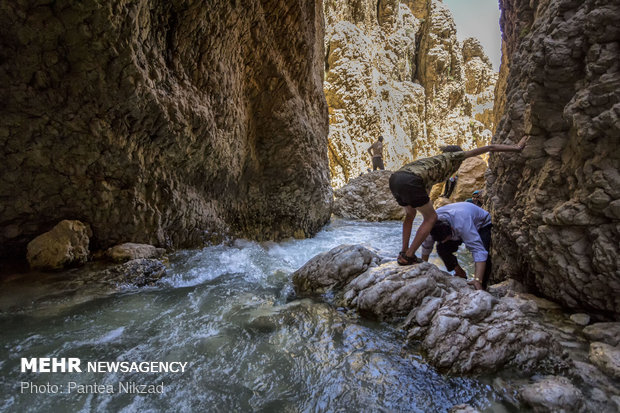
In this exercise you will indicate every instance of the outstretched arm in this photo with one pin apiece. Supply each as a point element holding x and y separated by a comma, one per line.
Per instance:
<point>496,147</point>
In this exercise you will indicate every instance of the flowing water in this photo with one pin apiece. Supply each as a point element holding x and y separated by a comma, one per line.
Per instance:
<point>227,311</point>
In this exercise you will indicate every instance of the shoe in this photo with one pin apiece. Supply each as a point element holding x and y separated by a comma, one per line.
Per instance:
<point>403,259</point>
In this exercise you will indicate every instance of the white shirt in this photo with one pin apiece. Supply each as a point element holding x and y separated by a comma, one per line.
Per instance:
<point>465,219</point>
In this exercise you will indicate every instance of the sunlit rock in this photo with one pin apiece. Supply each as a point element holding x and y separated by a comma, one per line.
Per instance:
<point>460,329</point>
<point>396,69</point>
<point>64,245</point>
<point>368,197</point>
<point>131,251</point>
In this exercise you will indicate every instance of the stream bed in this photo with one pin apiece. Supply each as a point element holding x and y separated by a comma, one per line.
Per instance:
<point>228,311</point>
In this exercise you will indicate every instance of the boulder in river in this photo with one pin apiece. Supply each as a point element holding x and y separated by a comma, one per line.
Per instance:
<point>553,394</point>
<point>460,329</point>
<point>138,272</point>
<point>64,245</point>
<point>131,251</point>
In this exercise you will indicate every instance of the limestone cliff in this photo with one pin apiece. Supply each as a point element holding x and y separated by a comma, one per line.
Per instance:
<point>395,68</point>
<point>556,209</point>
<point>159,121</point>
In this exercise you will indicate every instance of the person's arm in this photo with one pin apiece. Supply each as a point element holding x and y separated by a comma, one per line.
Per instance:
<point>427,247</point>
<point>370,148</point>
<point>496,147</point>
<point>480,267</point>
<point>425,257</point>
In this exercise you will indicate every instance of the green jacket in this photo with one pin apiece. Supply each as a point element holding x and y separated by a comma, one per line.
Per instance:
<point>435,169</point>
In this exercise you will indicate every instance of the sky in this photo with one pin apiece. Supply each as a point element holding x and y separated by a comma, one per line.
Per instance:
<point>479,19</point>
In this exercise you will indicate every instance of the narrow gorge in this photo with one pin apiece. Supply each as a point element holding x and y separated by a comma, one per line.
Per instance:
<point>189,182</point>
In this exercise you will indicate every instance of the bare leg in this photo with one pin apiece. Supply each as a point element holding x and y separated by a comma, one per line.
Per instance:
<point>407,225</point>
<point>429,217</point>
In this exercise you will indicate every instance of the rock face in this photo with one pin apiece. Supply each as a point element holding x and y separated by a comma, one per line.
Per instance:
<point>460,329</point>
<point>396,69</point>
<point>368,197</point>
<point>163,122</point>
<point>556,208</point>
<point>65,245</point>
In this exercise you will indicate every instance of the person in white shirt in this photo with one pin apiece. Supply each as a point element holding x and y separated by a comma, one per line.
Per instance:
<point>462,222</point>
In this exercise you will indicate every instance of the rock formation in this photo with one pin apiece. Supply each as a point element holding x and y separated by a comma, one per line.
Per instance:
<point>396,69</point>
<point>556,208</point>
<point>368,197</point>
<point>64,245</point>
<point>460,329</point>
<point>162,122</point>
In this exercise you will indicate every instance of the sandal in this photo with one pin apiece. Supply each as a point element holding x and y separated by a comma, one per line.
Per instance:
<point>403,259</point>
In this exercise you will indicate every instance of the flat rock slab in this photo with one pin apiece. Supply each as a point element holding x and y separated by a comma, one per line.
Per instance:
<point>553,394</point>
<point>460,329</point>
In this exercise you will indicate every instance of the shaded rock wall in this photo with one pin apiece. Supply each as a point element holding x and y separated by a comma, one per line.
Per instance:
<point>159,121</point>
<point>556,209</point>
<point>395,68</point>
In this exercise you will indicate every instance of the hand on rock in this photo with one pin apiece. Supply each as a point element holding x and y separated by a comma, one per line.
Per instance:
<point>523,142</point>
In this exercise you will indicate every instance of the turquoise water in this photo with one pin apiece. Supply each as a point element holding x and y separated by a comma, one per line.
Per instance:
<point>228,312</point>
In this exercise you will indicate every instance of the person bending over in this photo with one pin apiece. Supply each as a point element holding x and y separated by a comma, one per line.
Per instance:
<point>462,222</point>
<point>412,183</point>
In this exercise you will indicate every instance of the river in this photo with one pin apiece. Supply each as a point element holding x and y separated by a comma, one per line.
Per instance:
<point>228,311</point>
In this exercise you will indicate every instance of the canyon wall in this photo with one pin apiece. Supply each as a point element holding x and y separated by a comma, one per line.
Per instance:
<point>396,69</point>
<point>162,122</point>
<point>556,208</point>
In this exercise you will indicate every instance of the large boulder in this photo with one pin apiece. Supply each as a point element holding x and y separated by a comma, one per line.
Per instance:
<point>64,245</point>
<point>368,197</point>
<point>556,206</point>
<point>460,329</point>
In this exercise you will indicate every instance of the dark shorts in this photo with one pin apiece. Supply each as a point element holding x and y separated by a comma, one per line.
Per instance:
<point>408,189</point>
<point>377,163</point>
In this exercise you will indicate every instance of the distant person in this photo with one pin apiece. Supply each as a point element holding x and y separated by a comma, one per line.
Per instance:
<point>376,152</point>
<point>449,186</point>
<point>476,198</point>
<point>411,185</point>
<point>462,222</point>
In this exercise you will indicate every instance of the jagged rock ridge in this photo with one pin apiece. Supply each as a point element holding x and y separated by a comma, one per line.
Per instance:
<point>396,69</point>
<point>161,122</point>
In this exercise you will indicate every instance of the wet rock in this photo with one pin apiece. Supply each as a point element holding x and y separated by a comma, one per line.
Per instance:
<point>460,329</point>
<point>463,408</point>
<point>64,245</point>
<point>131,251</point>
<point>598,388</point>
<point>580,319</point>
<point>138,272</point>
<point>334,268</point>
<point>555,220</point>
<point>163,122</point>
<point>368,197</point>
<point>606,357</point>
<point>608,333</point>
<point>553,394</point>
